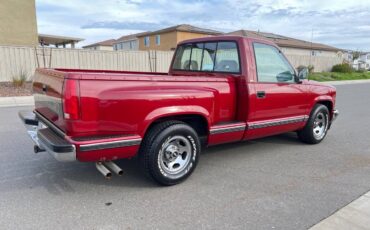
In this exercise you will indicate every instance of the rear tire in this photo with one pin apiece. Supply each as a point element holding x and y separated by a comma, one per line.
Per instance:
<point>170,152</point>
<point>317,125</point>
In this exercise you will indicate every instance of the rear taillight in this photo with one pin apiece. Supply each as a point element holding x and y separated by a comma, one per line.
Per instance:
<point>71,99</point>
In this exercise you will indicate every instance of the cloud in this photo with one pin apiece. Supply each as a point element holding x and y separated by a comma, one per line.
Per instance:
<point>343,24</point>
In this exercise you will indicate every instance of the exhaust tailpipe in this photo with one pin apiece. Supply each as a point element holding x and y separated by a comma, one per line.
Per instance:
<point>103,170</point>
<point>115,168</point>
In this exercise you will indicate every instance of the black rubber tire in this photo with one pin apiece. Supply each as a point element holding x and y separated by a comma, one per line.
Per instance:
<point>152,143</point>
<point>306,134</point>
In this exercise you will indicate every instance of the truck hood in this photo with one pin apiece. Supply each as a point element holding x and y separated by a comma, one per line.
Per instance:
<point>316,83</point>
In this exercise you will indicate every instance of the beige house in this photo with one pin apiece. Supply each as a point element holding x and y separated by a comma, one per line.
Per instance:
<point>128,42</point>
<point>167,39</point>
<point>104,45</point>
<point>292,46</point>
<point>18,24</point>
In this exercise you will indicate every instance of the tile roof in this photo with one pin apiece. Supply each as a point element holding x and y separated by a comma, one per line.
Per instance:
<point>185,28</point>
<point>284,41</point>
<point>130,37</point>
<point>109,42</point>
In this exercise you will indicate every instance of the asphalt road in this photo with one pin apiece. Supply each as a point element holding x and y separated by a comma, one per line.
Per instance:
<point>271,183</point>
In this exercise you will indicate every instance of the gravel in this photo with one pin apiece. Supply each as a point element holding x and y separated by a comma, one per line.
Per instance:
<point>8,90</point>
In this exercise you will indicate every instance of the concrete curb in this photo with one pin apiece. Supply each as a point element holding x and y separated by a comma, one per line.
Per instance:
<point>16,101</point>
<point>356,215</point>
<point>346,82</point>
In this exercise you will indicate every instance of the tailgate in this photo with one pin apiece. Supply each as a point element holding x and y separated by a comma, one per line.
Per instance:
<point>47,91</point>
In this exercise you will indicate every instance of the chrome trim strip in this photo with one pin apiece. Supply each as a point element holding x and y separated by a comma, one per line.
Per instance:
<point>278,122</point>
<point>49,124</point>
<point>110,145</point>
<point>227,129</point>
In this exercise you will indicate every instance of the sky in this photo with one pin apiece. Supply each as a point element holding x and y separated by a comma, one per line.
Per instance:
<point>343,24</point>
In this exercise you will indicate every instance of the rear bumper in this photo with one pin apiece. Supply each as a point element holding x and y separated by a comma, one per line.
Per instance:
<point>47,137</point>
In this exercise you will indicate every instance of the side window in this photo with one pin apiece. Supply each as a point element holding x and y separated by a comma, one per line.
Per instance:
<point>227,57</point>
<point>146,41</point>
<point>157,40</point>
<point>272,65</point>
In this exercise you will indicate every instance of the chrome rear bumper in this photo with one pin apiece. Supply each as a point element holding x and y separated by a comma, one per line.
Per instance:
<point>46,139</point>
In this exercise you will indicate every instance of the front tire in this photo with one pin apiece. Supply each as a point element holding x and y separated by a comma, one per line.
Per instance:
<point>170,152</point>
<point>317,125</point>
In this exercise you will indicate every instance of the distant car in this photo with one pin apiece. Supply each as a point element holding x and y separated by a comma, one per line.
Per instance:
<point>218,90</point>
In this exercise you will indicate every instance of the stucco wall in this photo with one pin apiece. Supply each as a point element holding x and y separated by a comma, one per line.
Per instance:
<point>127,45</point>
<point>104,48</point>
<point>18,24</point>
<point>181,36</point>
<point>307,52</point>
<point>168,40</point>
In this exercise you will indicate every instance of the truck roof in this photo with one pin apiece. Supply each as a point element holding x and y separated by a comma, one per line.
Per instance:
<point>224,38</point>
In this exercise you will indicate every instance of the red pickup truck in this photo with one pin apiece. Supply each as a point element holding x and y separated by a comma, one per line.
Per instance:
<point>218,90</point>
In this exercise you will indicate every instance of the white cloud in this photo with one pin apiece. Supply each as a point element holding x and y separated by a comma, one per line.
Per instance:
<point>105,19</point>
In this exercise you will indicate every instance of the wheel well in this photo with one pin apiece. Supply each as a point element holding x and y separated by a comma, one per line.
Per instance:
<point>328,105</point>
<point>197,122</point>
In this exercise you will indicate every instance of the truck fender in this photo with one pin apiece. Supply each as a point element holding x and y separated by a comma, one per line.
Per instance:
<point>320,99</point>
<point>171,111</point>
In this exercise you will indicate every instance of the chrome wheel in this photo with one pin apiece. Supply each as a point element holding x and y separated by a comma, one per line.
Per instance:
<point>175,154</point>
<point>320,125</point>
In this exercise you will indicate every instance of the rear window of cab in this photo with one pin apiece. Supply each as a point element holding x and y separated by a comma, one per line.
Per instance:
<point>222,56</point>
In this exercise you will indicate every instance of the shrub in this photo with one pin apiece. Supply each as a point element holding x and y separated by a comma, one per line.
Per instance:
<point>310,68</point>
<point>342,68</point>
<point>20,78</point>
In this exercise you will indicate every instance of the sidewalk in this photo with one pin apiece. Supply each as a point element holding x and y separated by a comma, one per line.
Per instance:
<point>346,82</point>
<point>354,216</point>
<point>16,101</point>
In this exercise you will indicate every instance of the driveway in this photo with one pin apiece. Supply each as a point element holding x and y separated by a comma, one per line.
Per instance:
<point>271,183</point>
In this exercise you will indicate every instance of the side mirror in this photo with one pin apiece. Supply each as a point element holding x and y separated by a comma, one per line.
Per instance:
<point>284,76</point>
<point>302,73</point>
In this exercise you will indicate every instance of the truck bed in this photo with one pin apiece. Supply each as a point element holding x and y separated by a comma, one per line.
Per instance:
<point>124,103</point>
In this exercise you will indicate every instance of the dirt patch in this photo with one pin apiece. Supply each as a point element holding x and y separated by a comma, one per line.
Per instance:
<point>8,90</point>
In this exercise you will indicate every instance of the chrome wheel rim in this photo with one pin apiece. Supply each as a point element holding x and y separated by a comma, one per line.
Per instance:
<point>320,125</point>
<point>175,154</point>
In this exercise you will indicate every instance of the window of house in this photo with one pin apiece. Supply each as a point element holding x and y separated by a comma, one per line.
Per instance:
<point>208,57</point>
<point>272,66</point>
<point>157,40</point>
<point>146,41</point>
<point>368,57</point>
<point>315,53</point>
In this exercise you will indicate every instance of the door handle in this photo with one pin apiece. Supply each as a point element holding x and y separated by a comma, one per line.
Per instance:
<point>261,94</point>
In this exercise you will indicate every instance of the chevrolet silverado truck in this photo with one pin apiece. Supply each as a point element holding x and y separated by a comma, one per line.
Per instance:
<point>218,90</point>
